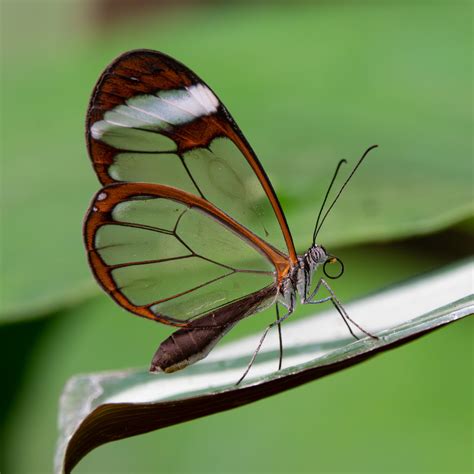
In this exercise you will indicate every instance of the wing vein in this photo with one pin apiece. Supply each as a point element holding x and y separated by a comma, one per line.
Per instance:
<point>146,262</point>
<point>138,109</point>
<point>183,109</point>
<point>117,124</point>
<point>139,226</point>
<point>202,285</point>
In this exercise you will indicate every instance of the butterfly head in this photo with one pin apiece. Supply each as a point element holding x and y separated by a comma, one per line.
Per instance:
<point>318,255</point>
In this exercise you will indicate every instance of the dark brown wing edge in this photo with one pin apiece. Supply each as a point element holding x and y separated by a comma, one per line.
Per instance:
<point>100,213</point>
<point>145,71</point>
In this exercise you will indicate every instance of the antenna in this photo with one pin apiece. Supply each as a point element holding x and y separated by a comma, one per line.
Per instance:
<point>317,229</point>
<point>326,198</point>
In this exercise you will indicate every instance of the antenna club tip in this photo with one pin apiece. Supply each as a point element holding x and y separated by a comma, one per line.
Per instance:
<point>367,152</point>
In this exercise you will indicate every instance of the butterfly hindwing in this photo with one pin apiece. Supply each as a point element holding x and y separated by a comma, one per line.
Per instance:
<point>170,256</point>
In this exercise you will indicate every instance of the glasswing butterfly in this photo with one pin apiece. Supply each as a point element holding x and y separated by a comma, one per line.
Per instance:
<point>187,229</point>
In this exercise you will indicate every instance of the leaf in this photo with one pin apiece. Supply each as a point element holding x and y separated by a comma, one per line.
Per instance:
<point>98,408</point>
<point>323,91</point>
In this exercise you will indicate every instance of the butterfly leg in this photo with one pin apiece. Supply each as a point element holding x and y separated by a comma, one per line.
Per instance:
<point>280,339</point>
<point>337,304</point>
<point>264,335</point>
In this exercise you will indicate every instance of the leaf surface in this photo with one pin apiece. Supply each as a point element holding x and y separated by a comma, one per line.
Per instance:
<point>98,408</point>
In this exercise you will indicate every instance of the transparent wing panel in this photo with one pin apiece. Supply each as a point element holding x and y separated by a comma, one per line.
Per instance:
<point>161,213</point>
<point>226,179</point>
<point>178,261</point>
<point>122,137</point>
<point>212,296</point>
<point>209,238</point>
<point>144,284</point>
<point>119,244</point>
<point>164,168</point>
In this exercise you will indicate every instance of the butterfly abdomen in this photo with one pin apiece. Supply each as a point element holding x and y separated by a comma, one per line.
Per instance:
<point>185,347</point>
<point>188,345</point>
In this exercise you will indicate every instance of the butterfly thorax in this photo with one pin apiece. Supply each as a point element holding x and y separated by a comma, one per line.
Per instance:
<point>298,280</point>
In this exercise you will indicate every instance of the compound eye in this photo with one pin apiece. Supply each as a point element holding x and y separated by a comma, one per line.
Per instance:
<point>332,260</point>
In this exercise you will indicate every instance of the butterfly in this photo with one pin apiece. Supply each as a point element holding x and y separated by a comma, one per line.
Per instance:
<point>187,229</point>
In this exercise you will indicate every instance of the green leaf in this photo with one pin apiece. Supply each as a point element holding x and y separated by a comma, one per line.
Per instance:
<point>98,408</point>
<point>98,336</point>
<point>324,90</point>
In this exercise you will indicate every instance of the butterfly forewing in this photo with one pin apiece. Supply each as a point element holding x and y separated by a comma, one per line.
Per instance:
<point>153,120</point>
<point>210,232</point>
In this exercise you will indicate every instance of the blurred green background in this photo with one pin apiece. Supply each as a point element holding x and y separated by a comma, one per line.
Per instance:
<point>309,83</point>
